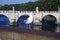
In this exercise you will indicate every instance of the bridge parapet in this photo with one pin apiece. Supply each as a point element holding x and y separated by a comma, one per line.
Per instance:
<point>38,15</point>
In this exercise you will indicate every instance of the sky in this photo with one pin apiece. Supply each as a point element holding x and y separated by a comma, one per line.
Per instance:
<point>3,2</point>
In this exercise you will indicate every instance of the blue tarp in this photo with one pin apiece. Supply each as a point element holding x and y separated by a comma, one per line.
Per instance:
<point>4,21</point>
<point>21,23</point>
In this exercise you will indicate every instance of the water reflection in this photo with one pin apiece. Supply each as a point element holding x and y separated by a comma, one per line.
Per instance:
<point>39,27</point>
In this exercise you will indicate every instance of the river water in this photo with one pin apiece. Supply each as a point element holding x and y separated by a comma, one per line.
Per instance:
<point>39,28</point>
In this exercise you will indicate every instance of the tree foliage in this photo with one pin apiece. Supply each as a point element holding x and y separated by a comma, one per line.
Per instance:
<point>44,5</point>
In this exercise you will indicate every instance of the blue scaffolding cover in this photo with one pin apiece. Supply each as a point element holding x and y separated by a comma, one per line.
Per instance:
<point>4,21</point>
<point>22,24</point>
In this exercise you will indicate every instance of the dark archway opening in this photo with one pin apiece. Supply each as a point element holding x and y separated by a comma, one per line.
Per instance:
<point>48,23</point>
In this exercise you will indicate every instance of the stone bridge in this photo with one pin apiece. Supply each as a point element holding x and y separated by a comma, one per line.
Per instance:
<point>37,15</point>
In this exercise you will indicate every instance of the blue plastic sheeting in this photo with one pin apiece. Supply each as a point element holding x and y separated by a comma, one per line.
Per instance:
<point>21,23</point>
<point>4,21</point>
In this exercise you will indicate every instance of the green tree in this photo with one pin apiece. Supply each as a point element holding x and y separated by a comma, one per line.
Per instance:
<point>14,23</point>
<point>44,5</point>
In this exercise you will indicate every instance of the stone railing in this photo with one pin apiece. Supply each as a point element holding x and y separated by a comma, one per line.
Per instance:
<point>11,11</point>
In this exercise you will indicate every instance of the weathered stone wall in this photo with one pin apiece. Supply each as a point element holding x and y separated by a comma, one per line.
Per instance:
<point>37,16</point>
<point>5,35</point>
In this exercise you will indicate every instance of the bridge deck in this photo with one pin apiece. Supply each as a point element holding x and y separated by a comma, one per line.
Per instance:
<point>7,33</point>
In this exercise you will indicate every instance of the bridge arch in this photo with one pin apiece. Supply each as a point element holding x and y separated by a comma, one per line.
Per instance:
<point>49,16</point>
<point>4,20</point>
<point>48,23</point>
<point>22,24</point>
